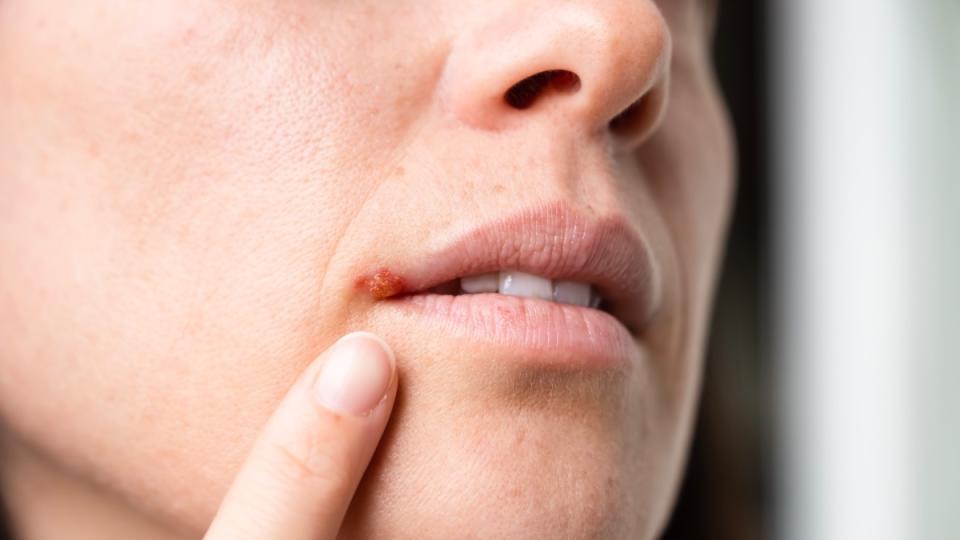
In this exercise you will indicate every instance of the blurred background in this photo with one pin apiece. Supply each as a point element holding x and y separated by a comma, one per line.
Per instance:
<point>831,401</point>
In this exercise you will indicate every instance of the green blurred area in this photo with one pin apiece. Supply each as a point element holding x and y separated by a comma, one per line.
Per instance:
<point>937,385</point>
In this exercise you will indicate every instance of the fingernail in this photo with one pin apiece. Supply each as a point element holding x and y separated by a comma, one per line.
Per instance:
<point>356,375</point>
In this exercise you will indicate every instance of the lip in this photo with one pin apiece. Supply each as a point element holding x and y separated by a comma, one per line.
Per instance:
<point>553,241</point>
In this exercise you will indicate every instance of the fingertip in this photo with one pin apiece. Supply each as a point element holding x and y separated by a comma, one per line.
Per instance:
<point>363,334</point>
<point>357,375</point>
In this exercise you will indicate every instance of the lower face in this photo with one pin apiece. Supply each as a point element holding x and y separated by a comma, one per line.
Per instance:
<point>190,193</point>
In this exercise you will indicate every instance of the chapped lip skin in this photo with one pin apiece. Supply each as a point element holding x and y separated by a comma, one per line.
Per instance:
<point>554,242</point>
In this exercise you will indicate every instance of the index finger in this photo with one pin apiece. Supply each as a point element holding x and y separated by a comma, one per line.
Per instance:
<point>304,468</point>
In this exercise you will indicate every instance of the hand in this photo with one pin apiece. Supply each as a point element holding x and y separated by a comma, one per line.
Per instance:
<point>304,468</point>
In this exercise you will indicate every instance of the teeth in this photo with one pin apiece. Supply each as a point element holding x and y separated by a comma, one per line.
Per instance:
<point>481,284</point>
<point>572,292</point>
<point>522,284</point>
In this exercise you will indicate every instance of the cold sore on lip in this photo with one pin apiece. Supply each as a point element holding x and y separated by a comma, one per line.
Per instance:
<point>383,284</point>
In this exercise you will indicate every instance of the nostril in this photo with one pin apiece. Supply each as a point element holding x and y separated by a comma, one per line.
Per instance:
<point>523,94</point>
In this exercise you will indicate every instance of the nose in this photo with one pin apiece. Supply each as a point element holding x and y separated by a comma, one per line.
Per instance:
<point>598,66</point>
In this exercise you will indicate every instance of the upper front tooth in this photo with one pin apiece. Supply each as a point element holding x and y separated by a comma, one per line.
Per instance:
<point>481,284</point>
<point>522,284</point>
<point>572,292</point>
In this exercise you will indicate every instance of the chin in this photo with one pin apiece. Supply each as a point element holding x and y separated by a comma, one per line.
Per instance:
<point>520,483</point>
<point>520,453</point>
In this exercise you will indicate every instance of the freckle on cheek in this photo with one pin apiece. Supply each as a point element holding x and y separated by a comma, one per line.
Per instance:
<point>382,284</point>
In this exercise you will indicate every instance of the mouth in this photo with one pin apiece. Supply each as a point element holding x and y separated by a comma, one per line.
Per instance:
<point>548,280</point>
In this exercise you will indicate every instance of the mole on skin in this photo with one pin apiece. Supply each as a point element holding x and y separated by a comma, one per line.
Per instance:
<point>383,284</point>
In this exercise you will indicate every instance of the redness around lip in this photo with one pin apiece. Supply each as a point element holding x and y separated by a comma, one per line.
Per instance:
<point>382,284</point>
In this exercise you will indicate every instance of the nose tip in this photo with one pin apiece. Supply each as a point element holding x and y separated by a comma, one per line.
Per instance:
<point>599,65</point>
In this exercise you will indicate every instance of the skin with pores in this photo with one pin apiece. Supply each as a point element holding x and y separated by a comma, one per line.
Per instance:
<point>189,190</point>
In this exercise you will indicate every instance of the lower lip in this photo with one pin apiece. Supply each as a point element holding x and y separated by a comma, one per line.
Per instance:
<point>533,330</point>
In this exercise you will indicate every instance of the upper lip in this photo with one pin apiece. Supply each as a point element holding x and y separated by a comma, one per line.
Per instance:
<point>556,242</point>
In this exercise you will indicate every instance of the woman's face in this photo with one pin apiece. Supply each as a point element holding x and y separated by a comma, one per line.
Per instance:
<point>198,196</point>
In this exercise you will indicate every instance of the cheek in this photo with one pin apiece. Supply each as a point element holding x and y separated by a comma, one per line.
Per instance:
<point>689,168</point>
<point>692,160</point>
<point>153,269</point>
<point>170,202</point>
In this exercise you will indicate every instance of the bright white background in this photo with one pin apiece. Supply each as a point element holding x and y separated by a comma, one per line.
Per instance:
<point>867,210</point>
